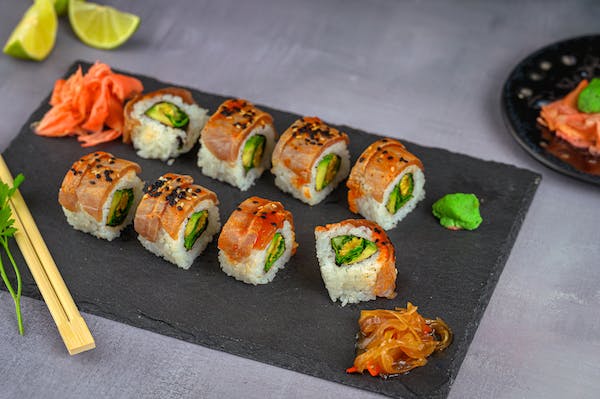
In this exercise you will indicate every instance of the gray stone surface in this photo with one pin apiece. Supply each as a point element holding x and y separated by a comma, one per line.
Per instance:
<point>430,72</point>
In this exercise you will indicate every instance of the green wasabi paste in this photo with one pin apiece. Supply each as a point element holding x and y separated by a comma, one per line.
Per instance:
<point>458,211</point>
<point>589,98</point>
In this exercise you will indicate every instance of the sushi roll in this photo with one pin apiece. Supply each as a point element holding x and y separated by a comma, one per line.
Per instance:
<point>386,183</point>
<point>163,124</point>
<point>236,143</point>
<point>257,241</point>
<point>310,160</point>
<point>99,194</point>
<point>357,261</point>
<point>177,219</point>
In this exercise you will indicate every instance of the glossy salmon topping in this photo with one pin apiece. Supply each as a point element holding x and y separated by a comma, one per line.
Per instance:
<point>89,181</point>
<point>167,203</point>
<point>385,284</point>
<point>131,123</point>
<point>376,169</point>
<point>227,128</point>
<point>89,105</point>
<point>301,145</point>
<point>563,117</point>
<point>252,226</point>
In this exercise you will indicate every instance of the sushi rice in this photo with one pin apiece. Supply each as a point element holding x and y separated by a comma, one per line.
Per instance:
<point>347,283</point>
<point>152,139</point>
<point>234,173</point>
<point>83,221</point>
<point>378,212</point>
<point>308,193</point>
<point>251,270</point>
<point>173,250</point>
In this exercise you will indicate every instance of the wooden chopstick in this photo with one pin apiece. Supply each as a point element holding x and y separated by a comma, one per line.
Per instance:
<point>71,326</point>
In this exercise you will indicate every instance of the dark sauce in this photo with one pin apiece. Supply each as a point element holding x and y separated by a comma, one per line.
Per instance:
<point>579,158</point>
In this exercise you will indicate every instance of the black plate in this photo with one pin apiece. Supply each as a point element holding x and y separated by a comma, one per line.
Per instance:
<point>544,76</point>
<point>290,322</point>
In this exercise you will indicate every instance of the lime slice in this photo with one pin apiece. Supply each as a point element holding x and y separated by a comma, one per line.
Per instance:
<point>61,7</point>
<point>34,36</point>
<point>99,26</point>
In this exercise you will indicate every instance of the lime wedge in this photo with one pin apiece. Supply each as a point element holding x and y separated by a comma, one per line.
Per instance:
<point>99,26</point>
<point>34,36</point>
<point>61,7</point>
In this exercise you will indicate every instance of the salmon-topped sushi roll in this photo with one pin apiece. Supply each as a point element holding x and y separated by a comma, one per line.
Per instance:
<point>99,194</point>
<point>386,183</point>
<point>310,160</point>
<point>177,219</point>
<point>257,241</point>
<point>163,124</point>
<point>236,143</point>
<point>357,261</point>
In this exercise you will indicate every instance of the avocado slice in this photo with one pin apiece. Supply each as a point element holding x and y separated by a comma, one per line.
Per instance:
<point>119,206</point>
<point>195,226</point>
<point>253,151</point>
<point>401,193</point>
<point>168,114</point>
<point>275,250</point>
<point>350,249</point>
<point>326,170</point>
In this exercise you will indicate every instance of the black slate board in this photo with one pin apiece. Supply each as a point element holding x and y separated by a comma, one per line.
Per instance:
<point>291,322</point>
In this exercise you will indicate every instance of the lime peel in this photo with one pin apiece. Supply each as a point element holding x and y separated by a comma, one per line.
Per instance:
<point>102,27</point>
<point>34,36</point>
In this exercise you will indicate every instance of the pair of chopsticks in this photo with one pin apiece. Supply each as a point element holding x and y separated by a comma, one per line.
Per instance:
<point>71,326</point>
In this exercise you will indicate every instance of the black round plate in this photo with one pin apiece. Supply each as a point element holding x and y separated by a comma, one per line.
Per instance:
<point>544,76</point>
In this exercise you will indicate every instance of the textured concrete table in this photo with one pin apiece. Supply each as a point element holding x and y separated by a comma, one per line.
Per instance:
<point>430,72</point>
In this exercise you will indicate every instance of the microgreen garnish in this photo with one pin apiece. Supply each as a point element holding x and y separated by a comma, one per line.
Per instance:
<point>7,231</point>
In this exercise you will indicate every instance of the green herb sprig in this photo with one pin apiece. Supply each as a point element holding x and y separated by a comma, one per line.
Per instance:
<point>7,231</point>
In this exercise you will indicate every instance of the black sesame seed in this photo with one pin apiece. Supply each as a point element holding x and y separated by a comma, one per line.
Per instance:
<point>390,158</point>
<point>92,182</point>
<point>238,209</point>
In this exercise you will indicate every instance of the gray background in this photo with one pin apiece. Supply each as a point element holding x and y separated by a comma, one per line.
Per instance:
<point>430,72</point>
